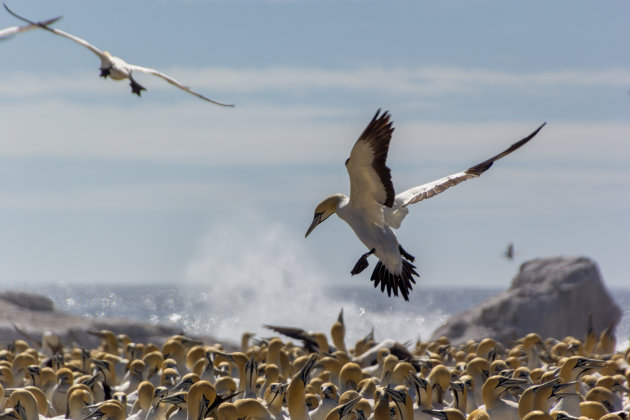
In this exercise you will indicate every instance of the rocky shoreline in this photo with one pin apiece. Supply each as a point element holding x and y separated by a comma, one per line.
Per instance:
<point>33,315</point>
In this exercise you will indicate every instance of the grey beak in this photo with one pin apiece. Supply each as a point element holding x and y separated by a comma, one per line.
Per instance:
<point>316,220</point>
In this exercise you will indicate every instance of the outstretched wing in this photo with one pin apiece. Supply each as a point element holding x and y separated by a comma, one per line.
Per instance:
<point>8,32</point>
<point>370,178</point>
<point>174,83</point>
<point>413,195</point>
<point>297,334</point>
<point>44,24</point>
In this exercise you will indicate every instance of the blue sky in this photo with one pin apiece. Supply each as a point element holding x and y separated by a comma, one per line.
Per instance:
<point>98,185</point>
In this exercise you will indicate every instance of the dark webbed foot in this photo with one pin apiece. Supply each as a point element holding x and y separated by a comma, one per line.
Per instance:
<point>405,254</point>
<point>105,72</point>
<point>362,264</point>
<point>136,87</point>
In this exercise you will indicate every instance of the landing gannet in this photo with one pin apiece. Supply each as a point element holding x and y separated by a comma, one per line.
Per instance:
<point>115,67</point>
<point>9,32</point>
<point>373,209</point>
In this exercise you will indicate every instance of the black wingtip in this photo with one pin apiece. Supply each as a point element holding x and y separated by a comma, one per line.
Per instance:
<point>378,133</point>
<point>486,164</point>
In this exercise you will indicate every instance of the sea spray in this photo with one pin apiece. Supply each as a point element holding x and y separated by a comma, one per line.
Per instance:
<point>268,277</point>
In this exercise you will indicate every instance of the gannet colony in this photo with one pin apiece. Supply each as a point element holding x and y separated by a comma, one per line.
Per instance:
<point>296,374</point>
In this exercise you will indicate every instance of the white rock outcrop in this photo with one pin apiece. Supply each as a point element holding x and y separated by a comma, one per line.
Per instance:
<point>550,296</point>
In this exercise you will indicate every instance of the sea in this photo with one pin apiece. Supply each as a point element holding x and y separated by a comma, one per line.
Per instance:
<point>225,313</point>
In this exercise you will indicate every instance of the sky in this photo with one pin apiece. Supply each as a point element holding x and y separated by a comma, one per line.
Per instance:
<point>100,186</point>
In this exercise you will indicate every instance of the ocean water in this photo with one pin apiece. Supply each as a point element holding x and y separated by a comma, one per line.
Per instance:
<point>226,313</point>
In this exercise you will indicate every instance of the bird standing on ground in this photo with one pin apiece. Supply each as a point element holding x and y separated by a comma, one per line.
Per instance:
<point>373,209</point>
<point>115,67</point>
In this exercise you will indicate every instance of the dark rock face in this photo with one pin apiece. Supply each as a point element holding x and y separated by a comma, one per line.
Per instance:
<point>550,296</point>
<point>34,315</point>
<point>28,301</point>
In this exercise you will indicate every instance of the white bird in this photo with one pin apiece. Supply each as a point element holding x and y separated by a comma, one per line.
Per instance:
<point>373,209</point>
<point>115,67</point>
<point>9,32</point>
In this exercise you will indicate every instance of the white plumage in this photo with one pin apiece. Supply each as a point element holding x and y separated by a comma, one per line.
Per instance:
<point>115,67</point>
<point>373,209</point>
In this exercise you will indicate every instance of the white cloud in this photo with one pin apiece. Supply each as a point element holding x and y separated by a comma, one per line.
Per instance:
<point>264,134</point>
<point>431,80</point>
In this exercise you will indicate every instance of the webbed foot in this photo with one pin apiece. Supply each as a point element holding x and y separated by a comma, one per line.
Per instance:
<point>362,264</point>
<point>136,87</point>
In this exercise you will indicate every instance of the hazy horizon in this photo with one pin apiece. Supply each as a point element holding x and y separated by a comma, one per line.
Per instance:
<point>100,186</point>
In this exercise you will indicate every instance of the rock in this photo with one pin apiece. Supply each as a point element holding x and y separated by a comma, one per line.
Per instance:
<point>550,296</point>
<point>28,300</point>
<point>33,315</point>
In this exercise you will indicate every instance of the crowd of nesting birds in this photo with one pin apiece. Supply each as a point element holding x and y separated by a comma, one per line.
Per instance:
<point>307,377</point>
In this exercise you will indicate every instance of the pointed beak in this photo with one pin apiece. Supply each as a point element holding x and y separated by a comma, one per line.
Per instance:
<point>316,221</point>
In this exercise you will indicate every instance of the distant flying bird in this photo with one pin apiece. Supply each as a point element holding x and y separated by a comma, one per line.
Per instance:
<point>373,209</point>
<point>509,252</point>
<point>9,32</point>
<point>115,67</point>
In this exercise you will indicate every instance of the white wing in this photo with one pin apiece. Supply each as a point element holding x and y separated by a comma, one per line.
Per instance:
<point>370,179</point>
<point>173,82</point>
<point>8,32</point>
<point>413,195</point>
<point>60,33</point>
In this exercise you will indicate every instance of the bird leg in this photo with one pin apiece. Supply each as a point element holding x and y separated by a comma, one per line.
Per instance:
<point>362,263</point>
<point>405,254</point>
<point>136,87</point>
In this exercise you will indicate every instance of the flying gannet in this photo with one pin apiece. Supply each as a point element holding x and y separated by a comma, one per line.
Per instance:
<point>373,209</point>
<point>9,32</point>
<point>115,67</point>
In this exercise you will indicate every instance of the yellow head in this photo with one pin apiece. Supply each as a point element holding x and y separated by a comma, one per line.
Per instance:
<point>324,210</point>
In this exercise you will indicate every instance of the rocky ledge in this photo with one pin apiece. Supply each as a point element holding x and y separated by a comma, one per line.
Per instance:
<point>28,316</point>
<point>550,296</point>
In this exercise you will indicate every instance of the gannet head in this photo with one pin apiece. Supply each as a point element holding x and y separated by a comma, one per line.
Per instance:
<point>324,210</point>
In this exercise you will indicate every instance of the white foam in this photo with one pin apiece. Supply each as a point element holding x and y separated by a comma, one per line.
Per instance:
<point>265,276</point>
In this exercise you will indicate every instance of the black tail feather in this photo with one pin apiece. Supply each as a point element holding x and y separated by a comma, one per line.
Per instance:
<point>394,282</point>
<point>405,254</point>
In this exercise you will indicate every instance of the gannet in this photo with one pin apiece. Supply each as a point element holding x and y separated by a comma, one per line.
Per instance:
<point>509,251</point>
<point>342,411</point>
<point>447,414</point>
<point>313,341</point>
<point>24,404</point>
<point>274,397</point>
<point>116,67</point>
<point>403,403</point>
<point>9,32</point>
<point>329,401</point>
<point>143,402</point>
<point>133,377</point>
<point>373,209</point>
<point>349,377</point>
<point>422,392</point>
<point>78,400</point>
<point>295,391</point>
<point>186,382</point>
<point>108,411</point>
<point>495,407</point>
<point>158,411</point>
<point>460,395</point>
<point>179,402</point>
<point>338,332</point>
<point>65,380</point>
